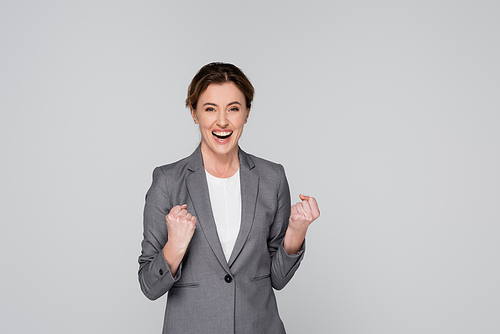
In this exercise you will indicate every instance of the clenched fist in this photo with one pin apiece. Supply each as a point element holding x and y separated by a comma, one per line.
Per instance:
<point>303,213</point>
<point>180,226</point>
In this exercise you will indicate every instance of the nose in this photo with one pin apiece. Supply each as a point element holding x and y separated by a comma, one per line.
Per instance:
<point>222,120</point>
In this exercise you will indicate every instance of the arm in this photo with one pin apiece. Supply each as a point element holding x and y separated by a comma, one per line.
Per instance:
<point>181,225</point>
<point>160,262</point>
<point>283,265</point>
<point>301,216</point>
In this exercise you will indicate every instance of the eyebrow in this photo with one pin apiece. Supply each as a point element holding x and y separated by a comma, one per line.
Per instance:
<point>215,105</point>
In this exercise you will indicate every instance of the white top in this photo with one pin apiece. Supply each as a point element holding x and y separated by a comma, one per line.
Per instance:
<point>225,197</point>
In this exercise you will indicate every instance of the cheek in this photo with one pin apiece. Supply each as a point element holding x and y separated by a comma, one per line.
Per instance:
<point>204,125</point>
<point>239,122</point>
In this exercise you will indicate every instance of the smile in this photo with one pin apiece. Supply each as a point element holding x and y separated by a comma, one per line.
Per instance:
<point>222,134</point>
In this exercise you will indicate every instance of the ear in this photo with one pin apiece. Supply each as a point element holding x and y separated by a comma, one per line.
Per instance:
<point>248,114</point>
<point>193,114</point>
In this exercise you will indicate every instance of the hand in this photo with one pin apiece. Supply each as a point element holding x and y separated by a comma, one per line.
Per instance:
<point>303,213</point>
<point>180,226</point>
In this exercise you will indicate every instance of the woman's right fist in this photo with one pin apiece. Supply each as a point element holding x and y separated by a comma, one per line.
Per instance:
<point>180,226</point>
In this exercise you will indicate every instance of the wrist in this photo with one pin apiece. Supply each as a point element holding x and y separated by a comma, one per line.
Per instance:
<point>174,248</point>
<point>177,244</point>
<point>299,229</point>
<point>294,238</point>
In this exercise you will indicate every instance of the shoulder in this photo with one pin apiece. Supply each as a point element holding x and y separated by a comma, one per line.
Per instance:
<point>163,173</point>
<point>264,166</point>
<point>171,174</point>
<point>173,166</point>
<point>179,168</point>
<point>272,177</point>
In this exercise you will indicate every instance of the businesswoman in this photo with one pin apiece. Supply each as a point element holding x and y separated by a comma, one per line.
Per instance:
<point>219,229</point>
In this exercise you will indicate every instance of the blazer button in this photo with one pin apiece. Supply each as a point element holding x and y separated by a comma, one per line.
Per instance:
<point>228,279</point>
<point>161,272</point>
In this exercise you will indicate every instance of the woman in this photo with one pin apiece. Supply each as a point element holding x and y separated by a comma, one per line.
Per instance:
<point>219,231</point>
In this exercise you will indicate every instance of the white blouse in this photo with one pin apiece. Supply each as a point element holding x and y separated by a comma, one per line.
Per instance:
<point>225,197</point>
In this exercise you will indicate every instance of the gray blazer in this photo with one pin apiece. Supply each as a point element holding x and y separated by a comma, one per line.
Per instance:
<point>209,294</point>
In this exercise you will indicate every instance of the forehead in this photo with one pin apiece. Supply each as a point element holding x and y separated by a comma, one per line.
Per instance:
<point>224,92</point>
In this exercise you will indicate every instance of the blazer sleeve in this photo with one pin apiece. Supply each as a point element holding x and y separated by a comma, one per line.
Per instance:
<point>283,266</point>
<point>155,277</point>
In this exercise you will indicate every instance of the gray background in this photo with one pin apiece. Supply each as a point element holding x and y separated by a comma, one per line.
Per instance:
<point>386,111</point>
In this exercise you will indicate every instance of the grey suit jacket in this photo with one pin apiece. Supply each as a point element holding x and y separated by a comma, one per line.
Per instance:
<point>209,294</point>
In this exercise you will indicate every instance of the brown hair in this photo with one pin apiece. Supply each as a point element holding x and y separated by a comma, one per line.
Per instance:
<point>218,73</point>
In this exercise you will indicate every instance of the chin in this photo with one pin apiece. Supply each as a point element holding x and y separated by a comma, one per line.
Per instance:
<point>225,150</point>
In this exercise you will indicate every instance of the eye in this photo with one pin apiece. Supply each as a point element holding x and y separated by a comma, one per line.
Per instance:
<point>210,109</point>
<point>234,109</point>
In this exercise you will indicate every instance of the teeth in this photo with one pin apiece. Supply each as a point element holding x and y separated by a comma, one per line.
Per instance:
<point>222,134</point>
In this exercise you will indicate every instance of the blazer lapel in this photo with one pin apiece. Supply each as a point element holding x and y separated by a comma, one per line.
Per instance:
<point>197,187</point>
<point>249,182</point>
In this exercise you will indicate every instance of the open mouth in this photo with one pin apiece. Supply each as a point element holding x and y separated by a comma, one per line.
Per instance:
<point>222,135</point>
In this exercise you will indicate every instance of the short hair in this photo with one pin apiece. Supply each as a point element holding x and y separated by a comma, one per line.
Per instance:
<point>218,73</point>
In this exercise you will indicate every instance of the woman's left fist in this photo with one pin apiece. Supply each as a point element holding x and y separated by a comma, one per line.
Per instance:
<point>303,213</point>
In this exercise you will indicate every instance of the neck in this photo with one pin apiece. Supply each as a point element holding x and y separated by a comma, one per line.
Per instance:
<point>220,165</point>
